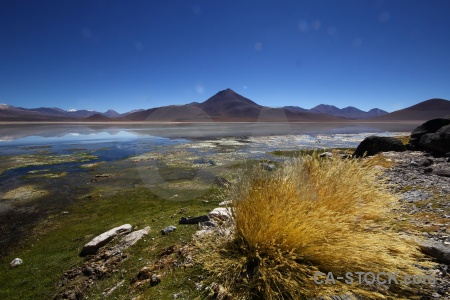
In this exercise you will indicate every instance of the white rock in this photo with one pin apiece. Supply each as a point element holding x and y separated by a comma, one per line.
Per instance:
<point>15,262</point>
<point>168,230</point>
<point>222,213</point>
<point>225,203</point>
<point>326,154</point>
<point>104,238</point>
<point>203,232</point>
<point>132,238</point>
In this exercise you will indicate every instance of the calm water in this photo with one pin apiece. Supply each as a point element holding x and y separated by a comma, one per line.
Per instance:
<point>38,134</point>
<point>202,144</point>
<point>125,140</point>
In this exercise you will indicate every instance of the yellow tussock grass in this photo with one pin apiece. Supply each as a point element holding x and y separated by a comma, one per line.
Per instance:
<point>327,215</point>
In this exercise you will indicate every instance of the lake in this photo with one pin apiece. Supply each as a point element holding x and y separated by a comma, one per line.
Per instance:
<point>45,168</point>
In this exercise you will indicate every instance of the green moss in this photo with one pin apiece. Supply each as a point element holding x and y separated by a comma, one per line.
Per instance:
<point>54,245</point>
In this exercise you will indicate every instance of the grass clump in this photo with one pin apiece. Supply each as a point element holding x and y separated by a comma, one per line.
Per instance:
<point>327,215</point>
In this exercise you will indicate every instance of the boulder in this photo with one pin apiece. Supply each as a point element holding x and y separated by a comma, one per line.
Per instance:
<point>436,250</point>
<point>376,144</point>
<point>438,141</point>
<point>194,220</point>
<point>104,238</point>
<point>430,126</point>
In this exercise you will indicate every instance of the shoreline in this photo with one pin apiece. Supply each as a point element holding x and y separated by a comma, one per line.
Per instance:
<point>214,122</point>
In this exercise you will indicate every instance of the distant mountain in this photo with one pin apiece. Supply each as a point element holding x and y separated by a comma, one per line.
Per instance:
<point>54,111</point>
<point>426,110</point>
<point>349,112</point>
<point>12,113</point>
<point>226,106</point>
<point>132,112</point>
<point>111,114</point>
<point>97,118</point>
<point>229,106</point>
<point>295,109</point>
<point>376,112</point>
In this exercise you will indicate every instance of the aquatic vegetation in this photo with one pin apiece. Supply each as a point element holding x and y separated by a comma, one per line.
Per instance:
<point>24,193</point>
<point>92,165</point>
<point>9,162</point>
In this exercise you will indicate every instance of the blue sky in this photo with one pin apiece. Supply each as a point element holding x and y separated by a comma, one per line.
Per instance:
<point>141,54</point>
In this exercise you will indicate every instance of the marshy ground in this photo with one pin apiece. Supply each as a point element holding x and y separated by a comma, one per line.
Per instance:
<point>53,202</point>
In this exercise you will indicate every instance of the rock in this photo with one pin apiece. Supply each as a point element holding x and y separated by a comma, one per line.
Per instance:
<point>443,173</point>
<point>87,271</point>
<point>207,224</point>
<point>415,195</point>
<point>221,213</point>
<point>155,279</point>
<point>438,141</point>
<point>430,126</point>
<point>326,154</point>
<point>109,291</point>
<point>433,135</point>
<point>226,203</point>
<point>414,164</point>
<point>268,167</point>
<point>144,273</point>
<point>428,170</point>
<point>375,144</point>
<point>168,230</point>
<point>194,220</point>
<point>100,177</point>
<point>221,182</point>
<point>436,250</point>
<point>132,238</point>
<point>16,262</point>
<point>426,162</point>
<point>104,238</point>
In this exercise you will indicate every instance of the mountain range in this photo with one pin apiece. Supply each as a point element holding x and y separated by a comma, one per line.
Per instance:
<point>229,106</point>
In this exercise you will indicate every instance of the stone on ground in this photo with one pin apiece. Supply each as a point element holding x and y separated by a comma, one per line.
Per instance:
<point>104,238</point>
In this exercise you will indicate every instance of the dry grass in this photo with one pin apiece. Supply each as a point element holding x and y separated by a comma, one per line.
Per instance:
<point>379,160</point>
<point>403,138</point>
<point>328,215</point>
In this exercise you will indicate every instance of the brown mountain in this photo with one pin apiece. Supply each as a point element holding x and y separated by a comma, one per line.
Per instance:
<point>97,118</point>
<point>426,110</point>
<point>226,106</point>
<point>18,114</point>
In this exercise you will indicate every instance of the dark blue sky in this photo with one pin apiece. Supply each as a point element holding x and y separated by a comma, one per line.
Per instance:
<point>140,54</point>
